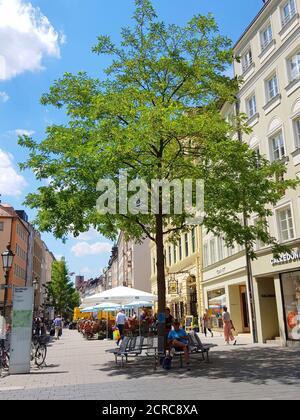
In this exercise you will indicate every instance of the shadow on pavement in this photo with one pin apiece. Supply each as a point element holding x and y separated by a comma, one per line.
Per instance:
<point>251,365</point>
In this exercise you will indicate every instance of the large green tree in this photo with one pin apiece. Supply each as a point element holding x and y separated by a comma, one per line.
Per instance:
<point>157,116</point>
<point>61,292</point>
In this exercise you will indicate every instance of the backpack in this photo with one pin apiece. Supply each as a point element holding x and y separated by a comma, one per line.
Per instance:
<point>166,364</point>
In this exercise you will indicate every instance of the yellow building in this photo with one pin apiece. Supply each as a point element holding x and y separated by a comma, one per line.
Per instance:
<point>183,268</point>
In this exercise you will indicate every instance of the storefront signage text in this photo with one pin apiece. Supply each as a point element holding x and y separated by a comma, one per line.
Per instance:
<point>286,258</point>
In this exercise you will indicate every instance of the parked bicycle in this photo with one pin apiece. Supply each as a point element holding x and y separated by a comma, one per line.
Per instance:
<point>39,349</point>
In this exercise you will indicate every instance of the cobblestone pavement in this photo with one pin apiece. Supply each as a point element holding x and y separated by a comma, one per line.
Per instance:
<point>80,369</point>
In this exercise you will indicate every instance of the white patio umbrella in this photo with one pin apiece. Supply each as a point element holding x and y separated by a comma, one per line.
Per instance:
<point>88,309</point>
<point>121,295</point>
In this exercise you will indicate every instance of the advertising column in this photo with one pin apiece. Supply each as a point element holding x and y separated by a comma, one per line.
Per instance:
<point>21,330</point>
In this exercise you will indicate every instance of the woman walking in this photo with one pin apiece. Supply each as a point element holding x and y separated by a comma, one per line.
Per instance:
<point>228,326</point>
<point>206,322</point>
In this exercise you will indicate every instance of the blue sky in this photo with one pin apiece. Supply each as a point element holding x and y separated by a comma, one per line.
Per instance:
<point>43,39</point>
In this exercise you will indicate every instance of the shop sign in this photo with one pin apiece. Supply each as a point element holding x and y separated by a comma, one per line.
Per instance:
<point>286,258</point>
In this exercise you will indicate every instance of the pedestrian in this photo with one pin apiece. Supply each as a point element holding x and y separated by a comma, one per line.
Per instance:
<point>120,323</point>
<point>228,327</point>
<point>58,327</point>
<point>178,341</point>
<point>206,323</point>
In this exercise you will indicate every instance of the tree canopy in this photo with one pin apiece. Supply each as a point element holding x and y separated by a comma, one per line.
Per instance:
<point>156,115</point>
<point>61,292</point>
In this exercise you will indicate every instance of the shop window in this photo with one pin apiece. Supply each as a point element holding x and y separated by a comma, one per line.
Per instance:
<point>291,298</point>
<point>216,302</point>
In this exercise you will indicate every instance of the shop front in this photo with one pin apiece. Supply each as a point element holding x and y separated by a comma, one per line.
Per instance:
<point>290,283</point>
<point>277,297</point>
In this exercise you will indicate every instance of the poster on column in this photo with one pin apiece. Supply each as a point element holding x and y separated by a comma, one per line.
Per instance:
<point>21,330</point>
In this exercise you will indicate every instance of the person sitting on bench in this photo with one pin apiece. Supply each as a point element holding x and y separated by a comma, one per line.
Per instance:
<point>178,341</point>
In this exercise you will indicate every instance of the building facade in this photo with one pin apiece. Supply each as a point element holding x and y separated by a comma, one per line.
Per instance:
<point>32,260</point>
<point>269,65</point>
<point>183,273</point>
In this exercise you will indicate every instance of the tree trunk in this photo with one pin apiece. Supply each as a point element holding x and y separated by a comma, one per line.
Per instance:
<point>161,284</point>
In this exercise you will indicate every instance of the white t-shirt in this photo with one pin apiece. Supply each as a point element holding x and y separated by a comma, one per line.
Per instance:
<point>121,318</point>
<point>226,316</point>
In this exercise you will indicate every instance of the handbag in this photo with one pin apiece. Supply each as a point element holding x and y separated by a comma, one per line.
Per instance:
<point>116,335</point>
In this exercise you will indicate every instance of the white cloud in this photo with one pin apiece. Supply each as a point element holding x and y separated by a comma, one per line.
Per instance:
<point>11,183</point>
<point>4,97</point>
<point>83,248</point>
<point>58,257</point>
<point>23,132</point>
<point>26,36</point>
<point>90,235</point>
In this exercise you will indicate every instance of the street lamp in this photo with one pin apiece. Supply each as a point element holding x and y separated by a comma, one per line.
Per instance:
<point>7,261</point>
<point>35,284</point>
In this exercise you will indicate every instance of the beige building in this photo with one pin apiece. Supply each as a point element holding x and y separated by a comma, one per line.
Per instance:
<point>183,262</point>
<point>129,265</point>
<point>270,96</point>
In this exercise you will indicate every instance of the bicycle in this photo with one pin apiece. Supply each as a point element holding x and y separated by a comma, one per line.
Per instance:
<point>39,349</point>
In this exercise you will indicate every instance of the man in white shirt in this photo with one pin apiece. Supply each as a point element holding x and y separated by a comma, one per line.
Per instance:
<point>120,323</point>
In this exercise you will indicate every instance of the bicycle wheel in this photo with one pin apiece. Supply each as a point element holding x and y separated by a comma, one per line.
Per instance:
<point>40,354</point>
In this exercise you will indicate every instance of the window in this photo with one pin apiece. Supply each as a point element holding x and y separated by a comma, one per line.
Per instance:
<point>1,226</point>
<point>213,254</point>
<point>174,254</point>
<point>297,135</point>
<point>205,255</point>
<point>186,242</point>
<point>285,224</point>
<point>272,87</point>
<point>257,157</point>
<point>251,106</point>
<point>220,248</point>
<point>180,249</point>
<point>193,240</point>
<point>291,295</point>
<point>170,255</point>
<point>246,60</point>
<point>277,147</point>
<point>294,67</point>
<point>266,37</point>
<point>288,11</point>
